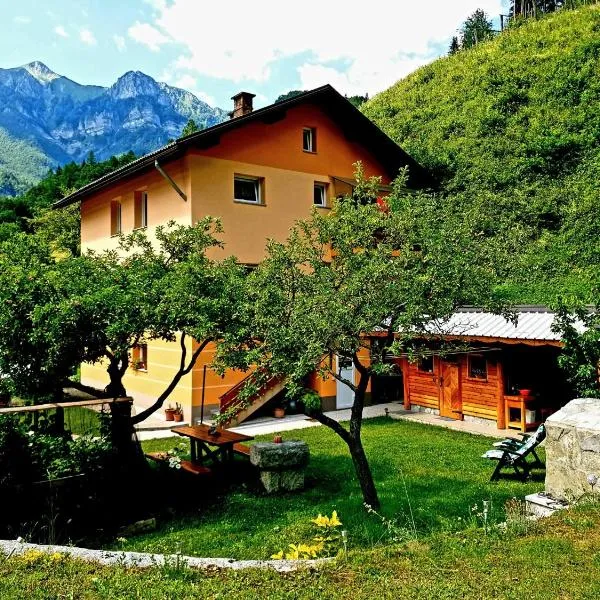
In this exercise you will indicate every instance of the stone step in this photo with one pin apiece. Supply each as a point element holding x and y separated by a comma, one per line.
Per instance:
<point>543,505</point>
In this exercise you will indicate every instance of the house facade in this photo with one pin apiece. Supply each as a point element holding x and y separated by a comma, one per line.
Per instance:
<point>496,371</point>
<point>258,173</point>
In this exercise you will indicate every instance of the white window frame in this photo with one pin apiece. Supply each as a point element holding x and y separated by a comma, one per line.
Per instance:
<point>144,207</point>
<point>323,187</point>
<point>118,229</point>
<point>312,145</point>
<point>257,186</point>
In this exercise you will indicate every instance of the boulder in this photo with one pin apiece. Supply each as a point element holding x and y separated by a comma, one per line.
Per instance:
<point>281,466</point>
<point>573,449</point>
<point>279,457</point>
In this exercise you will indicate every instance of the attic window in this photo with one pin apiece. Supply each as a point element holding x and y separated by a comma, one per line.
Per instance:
<point>309,139</point>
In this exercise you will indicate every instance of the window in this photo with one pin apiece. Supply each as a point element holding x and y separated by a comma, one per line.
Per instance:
<point>139,357</point>
<point>477,366</point>
<point>247,189</point>
<point>320,194</point>
<point>425,364</point>
<point>115,217</point>
<point>309,139</point>
<point>140,209</point>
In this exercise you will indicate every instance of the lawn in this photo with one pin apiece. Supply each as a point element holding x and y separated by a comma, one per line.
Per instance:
<point>557,558</point>
<point>435,473</point>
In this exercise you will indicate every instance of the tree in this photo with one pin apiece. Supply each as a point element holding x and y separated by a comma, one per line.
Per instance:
<point>346,283</point>
<point>190,127</point>
<point>454,46</point>
<point>476,29</point>
<point>580,358</point>
<point>288,95</point>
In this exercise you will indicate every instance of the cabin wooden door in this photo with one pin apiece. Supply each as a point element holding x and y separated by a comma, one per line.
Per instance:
<point>450,396</point>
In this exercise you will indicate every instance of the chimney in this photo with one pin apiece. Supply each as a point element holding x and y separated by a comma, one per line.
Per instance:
<point>242,104</point>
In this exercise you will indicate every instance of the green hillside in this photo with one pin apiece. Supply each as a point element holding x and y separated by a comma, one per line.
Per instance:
<point>21,165</point>
<point>513,126</point>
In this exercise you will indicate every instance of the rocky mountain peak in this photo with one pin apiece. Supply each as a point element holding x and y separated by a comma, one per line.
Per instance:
<point>41,72</point>
<point>132,84</point>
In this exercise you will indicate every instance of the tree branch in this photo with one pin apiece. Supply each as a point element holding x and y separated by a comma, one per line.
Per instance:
<point>92,391</point>
<point>183,370</point>
<point>332,424</point>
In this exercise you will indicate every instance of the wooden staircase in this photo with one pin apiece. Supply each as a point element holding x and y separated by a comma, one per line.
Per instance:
<point>271,388</point>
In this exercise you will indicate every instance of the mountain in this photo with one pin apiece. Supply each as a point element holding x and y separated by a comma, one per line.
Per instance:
<point>513,126</point>
<point>47,120</point>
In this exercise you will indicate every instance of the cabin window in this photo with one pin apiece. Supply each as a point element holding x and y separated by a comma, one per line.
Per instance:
<point>320,194</point>
<point>115,217</point>
<point>477,366</point>
<point>140,209</point>
<point>309,139</point>
<point>247,189</point>
<point>425,364</point>
<point>139,357</point>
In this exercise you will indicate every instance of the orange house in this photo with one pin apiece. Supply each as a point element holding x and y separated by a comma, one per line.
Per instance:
<point>259,172</point>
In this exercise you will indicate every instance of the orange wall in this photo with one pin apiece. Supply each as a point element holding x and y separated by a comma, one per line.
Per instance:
<point>164,204</point>
<point>280,145</point>
<point>273,152</point>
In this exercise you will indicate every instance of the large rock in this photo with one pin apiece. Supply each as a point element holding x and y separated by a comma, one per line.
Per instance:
<point>281,466</point>
<point>279,457</point>
<point>573,449</point>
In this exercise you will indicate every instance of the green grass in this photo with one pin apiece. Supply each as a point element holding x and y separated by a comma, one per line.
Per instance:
<point>440,472</point>
<point>82,421</point>
<point>558,558</point>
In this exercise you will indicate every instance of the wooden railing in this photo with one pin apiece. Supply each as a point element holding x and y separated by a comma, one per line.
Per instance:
<point>230,397</point>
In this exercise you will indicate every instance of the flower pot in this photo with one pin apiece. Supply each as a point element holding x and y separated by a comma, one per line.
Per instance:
<point>277,439</point>
<point>169,414</point>
<point>178,417</point>
<point>279,413</point>
<point>525,393</point>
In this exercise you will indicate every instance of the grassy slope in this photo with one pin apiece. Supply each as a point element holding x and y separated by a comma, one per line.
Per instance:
<point>514,126</point>
<point>21,165</point>
<point>443,470</point>
<point>559,558</point>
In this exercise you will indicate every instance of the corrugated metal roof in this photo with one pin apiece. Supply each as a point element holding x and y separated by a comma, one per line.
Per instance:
<point>532,323</point>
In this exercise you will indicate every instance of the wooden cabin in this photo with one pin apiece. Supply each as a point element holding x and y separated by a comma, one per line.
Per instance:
<point>498,371</point>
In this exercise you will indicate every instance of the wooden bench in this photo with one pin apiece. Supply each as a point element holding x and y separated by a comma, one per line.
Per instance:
<point>241,449</point>
<point>186,465</point>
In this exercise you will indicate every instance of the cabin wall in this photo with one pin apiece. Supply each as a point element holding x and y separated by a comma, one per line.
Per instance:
<point>480,396</point>
<point>423,389</point>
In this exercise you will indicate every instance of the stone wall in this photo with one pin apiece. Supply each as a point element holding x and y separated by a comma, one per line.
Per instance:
<point>573,449</point>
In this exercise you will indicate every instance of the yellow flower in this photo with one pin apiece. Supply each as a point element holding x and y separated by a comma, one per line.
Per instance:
<point>334,521</point>
<point>321,521</point>
<point>277,556</point>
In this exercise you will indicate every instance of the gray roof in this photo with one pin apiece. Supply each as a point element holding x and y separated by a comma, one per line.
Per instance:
<point>533,323</point>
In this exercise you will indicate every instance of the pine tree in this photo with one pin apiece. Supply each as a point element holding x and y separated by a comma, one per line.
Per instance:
<point>190,127</point>
<point>454,46</point>
<point>476,29</point>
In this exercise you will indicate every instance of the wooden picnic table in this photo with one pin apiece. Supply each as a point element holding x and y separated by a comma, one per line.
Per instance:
<point>201,440</point>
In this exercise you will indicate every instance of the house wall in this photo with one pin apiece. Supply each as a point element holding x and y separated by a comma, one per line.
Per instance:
<point>271,151</point>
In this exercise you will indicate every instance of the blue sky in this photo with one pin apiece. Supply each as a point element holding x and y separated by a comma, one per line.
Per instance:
<point>217,49</point>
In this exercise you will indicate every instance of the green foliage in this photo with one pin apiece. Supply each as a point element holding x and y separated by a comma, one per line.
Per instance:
<point>190,127</point>
<point>27,456</point>
<point>288,95</point>
<point>16,212</point>
<point>476,30</point>
<point>511,128</point>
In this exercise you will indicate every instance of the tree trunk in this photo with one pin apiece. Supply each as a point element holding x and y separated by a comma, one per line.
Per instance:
<point>363,472</point>
<point>117,367</point>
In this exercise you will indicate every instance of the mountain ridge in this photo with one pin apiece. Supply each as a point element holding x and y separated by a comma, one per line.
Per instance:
<point>53,120</point>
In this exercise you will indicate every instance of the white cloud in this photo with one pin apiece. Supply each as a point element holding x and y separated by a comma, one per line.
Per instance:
<point>210,100</point>
<point>60,30</point>
<point>378,42</point>
<point>146,34</point>
<point>186,82</point>
<point>87,37</point>
<point>22,20</point>
<point>119,41</point>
